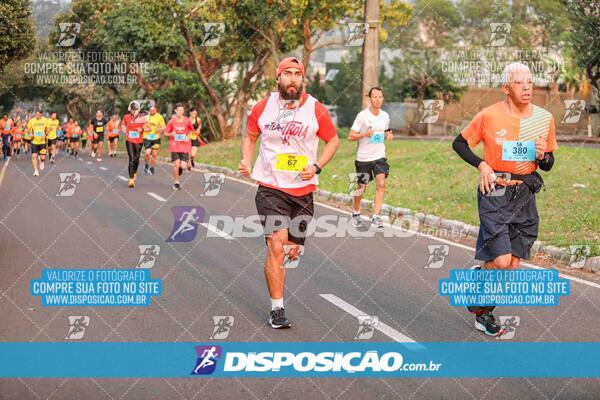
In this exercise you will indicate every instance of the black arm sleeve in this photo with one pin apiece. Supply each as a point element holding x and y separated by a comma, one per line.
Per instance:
<point>461,147</point>
<point>547,163</point>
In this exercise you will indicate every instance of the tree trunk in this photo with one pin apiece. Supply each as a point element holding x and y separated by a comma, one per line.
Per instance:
<point>307,44</point>
<point>370,50</point>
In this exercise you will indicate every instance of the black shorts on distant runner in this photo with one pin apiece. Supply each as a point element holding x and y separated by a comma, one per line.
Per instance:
<point>180,156</point>
<point>195,143</point>
<point>112,139</point>
<point>370,169</point>
<point>38,149</point>
<point>151,144</point>
<point>508,223</point>
<point>98,139</point>
<point>282,209</point>
<point>74,139</point>
<point>51,142</point>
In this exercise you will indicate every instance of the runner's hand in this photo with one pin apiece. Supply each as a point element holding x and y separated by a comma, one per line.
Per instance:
<point>389,135</point>
<point>308,172</point>
<point>486,180</point>
<point>244,168</point>
<point>369,133</point>
<point>540,147</point>
<point>294,253</point>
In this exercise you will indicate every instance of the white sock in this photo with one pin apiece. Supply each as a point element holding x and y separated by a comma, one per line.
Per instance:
<point>355,213</point>
<point>276,303</point>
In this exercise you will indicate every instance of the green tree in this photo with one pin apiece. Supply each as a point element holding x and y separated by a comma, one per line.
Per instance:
<point>584,36</point>
<point>17,36</point>
<point>345,88</point>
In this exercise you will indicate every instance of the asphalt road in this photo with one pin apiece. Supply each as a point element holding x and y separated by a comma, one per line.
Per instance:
<point>104,222</point>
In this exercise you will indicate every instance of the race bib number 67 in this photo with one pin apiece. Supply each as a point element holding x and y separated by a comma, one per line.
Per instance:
<point>518,150</point>
<point>290,162</point>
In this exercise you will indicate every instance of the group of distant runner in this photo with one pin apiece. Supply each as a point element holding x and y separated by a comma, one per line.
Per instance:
<point>45,137</point>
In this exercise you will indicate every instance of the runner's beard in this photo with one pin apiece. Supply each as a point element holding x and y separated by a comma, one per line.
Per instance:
<point>283,91</point>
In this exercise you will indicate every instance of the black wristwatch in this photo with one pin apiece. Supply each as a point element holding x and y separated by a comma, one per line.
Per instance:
<point>318,168</point>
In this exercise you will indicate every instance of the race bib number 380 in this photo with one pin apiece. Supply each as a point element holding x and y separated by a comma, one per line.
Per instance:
<point>290,162</point>
<point>518,150</point>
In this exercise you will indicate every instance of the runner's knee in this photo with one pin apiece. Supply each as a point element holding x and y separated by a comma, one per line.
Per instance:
<point>515,262</point>
<point>503,261</point>
<point>275,245</point>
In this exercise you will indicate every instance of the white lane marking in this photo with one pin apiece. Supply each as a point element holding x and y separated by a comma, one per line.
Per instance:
<point>4,170</point>
<point>104,168</point>
<point>123,178</point>
<point>462,246</point>
<point>157,197</point>
<point>89,162</point>
<point>381,327</point>
<point>216,231</point>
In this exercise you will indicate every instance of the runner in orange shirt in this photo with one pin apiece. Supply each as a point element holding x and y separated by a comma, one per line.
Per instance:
<point>17,138</point>
<point>113,135</point>
<point>74,133</point>
<point>518,137</point>
<point>6,126</point>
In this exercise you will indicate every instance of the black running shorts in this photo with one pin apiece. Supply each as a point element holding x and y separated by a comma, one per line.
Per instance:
<point>367,170</point>
<point>279,210</point>
<point>38,149</point>
<point>508,223</point>
<point>180,156</point>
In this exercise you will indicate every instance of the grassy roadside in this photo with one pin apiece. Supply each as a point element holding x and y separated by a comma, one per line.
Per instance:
<point>427,176</point>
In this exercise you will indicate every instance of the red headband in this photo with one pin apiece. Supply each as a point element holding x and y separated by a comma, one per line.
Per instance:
<point>289,62</point>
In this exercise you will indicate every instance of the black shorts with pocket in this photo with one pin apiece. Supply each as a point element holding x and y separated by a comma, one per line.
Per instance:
<point>112,139</point>
<point>180,156</point>
<point>508,223</point>
<point>367,170</point>
<point>279,210</point>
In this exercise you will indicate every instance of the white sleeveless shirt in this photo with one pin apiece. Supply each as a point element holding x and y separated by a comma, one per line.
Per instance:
<point>286,131</point>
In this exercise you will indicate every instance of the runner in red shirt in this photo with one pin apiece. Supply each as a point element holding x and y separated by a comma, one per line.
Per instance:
<point>133,126</point>
<point>290,124</point>
<point>179,129</point>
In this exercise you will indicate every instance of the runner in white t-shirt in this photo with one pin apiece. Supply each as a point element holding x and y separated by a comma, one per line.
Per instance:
<point>290,125</point>
<point>371,128</point>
